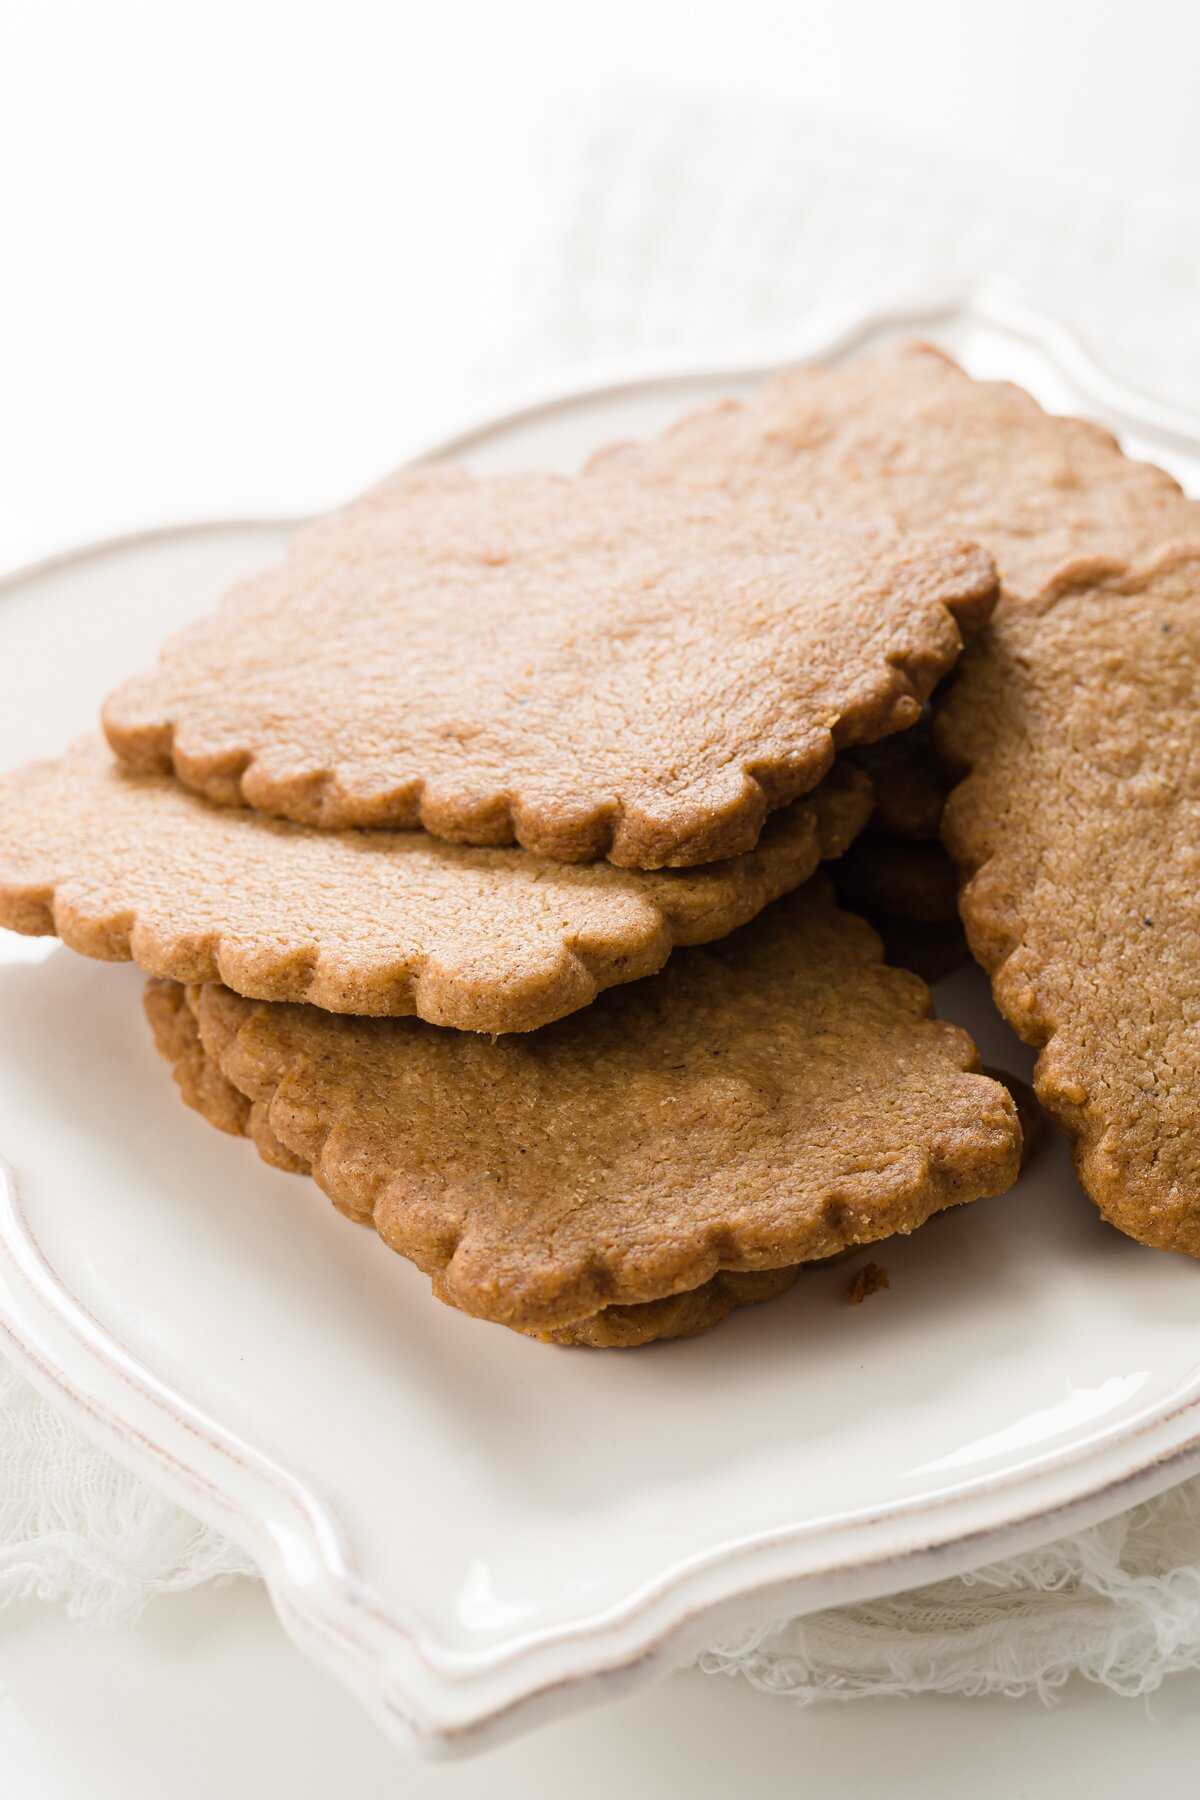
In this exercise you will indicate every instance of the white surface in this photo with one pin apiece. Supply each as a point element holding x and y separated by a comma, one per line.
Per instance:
<point>685,222</point>
<point>459,1570</point>
<point>254,251</point>
<point>206,1698</point>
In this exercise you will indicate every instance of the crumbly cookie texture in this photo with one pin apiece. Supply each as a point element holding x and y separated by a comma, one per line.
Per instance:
<point>205,1089</point>
<point>764,1102</point>
<point>1078,835</point>
<point>1033,1119</point>
<point>122,865</point>
<point>909,433</point>
<point>586,669</point>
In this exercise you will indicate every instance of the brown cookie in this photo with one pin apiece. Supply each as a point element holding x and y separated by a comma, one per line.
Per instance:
<point>1079,830</point>
<point>899,878</point>
<point>1033,1119</point>
<point>765,1102</point>
<point>688,1314</point>
<point>206,1091</point>
<point>123,865</point>
<point>582,668</point>
<point>910,788</point>
<point>907,432</point>
<point>200,1082</point>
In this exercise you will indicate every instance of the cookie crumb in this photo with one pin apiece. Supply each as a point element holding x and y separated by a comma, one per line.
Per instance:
<point>868,1280</point>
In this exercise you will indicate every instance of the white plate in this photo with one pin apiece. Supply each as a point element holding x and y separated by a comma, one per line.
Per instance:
<point>474,1531</point>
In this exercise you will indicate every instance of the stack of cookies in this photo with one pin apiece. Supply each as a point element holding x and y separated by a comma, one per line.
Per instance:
<point>474,852</point>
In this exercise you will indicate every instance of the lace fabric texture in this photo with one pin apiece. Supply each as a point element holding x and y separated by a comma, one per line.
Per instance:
<point>1118,1604</point>
<point>78,1528</point>
<point>675,225</point>
<point>672,226</point>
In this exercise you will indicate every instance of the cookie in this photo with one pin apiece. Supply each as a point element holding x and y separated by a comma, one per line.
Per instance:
<point>1033,1119</point>
<point>133,866</point>
<point>206,1091</point>
<point>1078,835</point>
<point>900,879</point>
<point>910,788</point>
<point>688,1314</point>
<point>909,433</point>
<point>764,1102</point>
<point>582,669</point>
<point>200,1082</point>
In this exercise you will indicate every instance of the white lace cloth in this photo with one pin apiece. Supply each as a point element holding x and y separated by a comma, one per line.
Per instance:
<point>674,228</point>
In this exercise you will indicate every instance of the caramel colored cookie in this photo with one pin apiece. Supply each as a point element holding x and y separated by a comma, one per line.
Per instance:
<point>1078,830</point>
<point>910,788</point>
<point>177,1038</point>
<point>907,432</point>
<point>1033,1119</point>
<point>688,1314</point>
<point>133,866</point>
<point>201,1084</point>
<point>581,668</point>
<point>206,1090</point>
<point>762,1103</point>
<point>901,879</point>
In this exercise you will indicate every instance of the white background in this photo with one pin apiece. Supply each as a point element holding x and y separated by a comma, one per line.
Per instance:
<point>252,253</point>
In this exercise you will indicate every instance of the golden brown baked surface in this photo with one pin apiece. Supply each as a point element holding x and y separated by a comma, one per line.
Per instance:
<point>688,1314</point>
<point>200,1082</point>
<point>908,433</point>
<point>1029,1112</point>
<point>123,865</point>
<point>177,1038</point>
<point>1078,830</point>
<point>587,669</point>
<point>764,1102</point>
<point>206,1091</point>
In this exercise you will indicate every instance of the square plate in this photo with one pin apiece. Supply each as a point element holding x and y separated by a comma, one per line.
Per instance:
<point>471,1530</point>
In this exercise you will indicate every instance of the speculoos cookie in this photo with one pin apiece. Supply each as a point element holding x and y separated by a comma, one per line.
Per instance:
<point>907,432</point>
<point>586,669</point>
<point>764,1102</point>
<point>122,865</point>
<point>1077,832</point>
